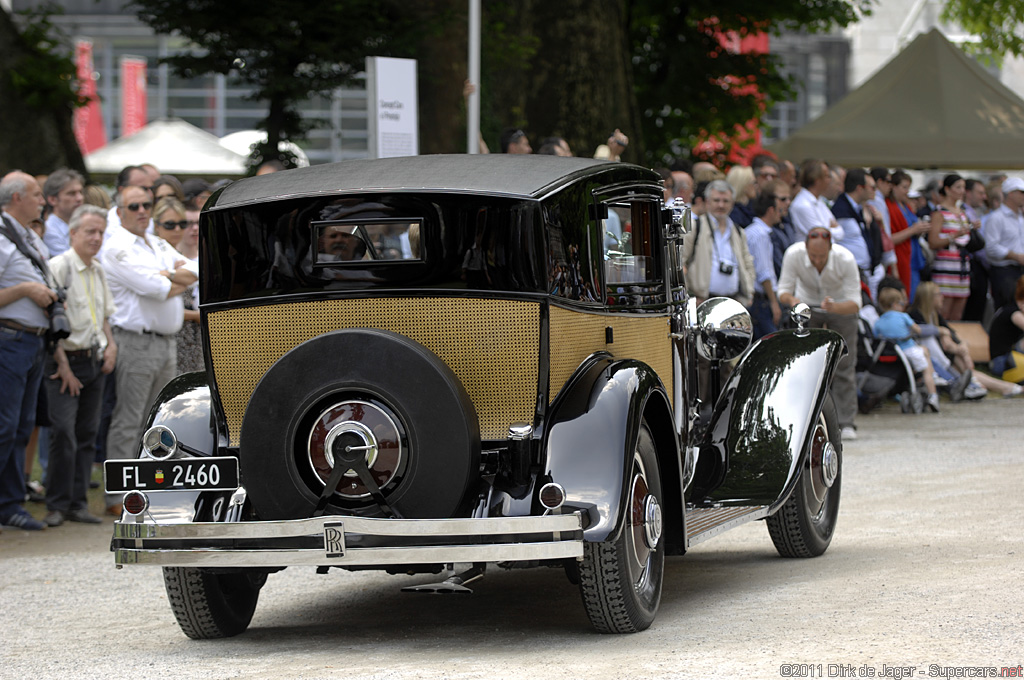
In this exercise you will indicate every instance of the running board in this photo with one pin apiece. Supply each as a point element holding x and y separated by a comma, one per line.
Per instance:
<point>704,523</point>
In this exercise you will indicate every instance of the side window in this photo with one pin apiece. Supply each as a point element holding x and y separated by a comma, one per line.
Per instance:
<point>630,255</point>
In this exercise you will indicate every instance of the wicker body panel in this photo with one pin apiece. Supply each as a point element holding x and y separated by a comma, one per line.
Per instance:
<point>491,345</point>
<point>576,335</point>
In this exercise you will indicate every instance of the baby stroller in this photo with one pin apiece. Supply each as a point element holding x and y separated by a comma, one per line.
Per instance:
<point>883,369</point>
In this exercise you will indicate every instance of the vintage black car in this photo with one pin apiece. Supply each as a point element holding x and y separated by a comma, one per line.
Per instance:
<point>441,364</point>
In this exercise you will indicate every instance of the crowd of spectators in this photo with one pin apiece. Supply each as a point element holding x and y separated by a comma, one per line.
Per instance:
<point>123,268</point>
<point>859,246</point>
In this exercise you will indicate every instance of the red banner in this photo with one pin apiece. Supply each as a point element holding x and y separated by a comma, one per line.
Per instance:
<point>88,120</point>
<point>133,95</point>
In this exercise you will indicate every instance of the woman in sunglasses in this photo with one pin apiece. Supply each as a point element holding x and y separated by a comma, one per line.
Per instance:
<point>169,220</point>
<point>171,223</point>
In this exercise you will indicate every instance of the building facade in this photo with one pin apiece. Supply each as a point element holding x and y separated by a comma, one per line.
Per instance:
<point>215,103</point>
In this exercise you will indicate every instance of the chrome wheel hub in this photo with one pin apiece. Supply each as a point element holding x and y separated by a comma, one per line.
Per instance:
<point>652,522</point>
<point>824,465</point>
<point>829,465</point>
<point>349,437</point>
<point>645,523</point>
<point>351,430</point>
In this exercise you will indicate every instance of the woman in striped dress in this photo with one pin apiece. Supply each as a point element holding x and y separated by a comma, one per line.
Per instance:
<point>947,235</point>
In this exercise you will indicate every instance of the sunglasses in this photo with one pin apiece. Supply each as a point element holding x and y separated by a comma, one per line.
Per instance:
<point>769,175</point>
<point>783,198</point>
<point>135,207</point>
<point>174,225</point>
<point>820,234</point>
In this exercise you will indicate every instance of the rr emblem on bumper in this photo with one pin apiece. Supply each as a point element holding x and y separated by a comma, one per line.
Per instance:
<point>334,539</point>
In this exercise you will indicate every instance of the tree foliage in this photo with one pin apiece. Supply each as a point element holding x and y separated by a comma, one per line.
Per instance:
<point>38,91</point>
<point>576,68</point>
<point>996,24</point>
<point>690,84</point>
<point>285,51</point>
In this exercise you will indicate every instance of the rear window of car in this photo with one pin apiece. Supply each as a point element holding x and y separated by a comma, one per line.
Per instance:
<point>341,243</point>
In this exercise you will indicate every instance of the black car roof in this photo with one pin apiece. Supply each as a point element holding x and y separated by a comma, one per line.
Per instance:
<point>526,176</point>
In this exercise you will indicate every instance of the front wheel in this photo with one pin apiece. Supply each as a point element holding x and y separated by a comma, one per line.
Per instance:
<point>211,605</point>
<point>803,527</point>
<point>620,578</point>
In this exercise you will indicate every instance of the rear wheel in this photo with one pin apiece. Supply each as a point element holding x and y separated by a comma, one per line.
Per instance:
<point>210,605</point>
<point>620,579</point>
<point>803,527</point>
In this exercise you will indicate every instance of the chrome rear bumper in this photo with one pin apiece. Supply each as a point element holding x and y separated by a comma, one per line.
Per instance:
<point>344,541</point>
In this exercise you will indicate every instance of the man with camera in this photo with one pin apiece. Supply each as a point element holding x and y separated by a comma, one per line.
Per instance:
<point>718,261</point>
<point>75,373</point>
<point>25,298</point>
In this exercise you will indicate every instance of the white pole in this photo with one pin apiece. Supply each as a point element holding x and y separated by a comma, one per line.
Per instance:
<point>473,101</point>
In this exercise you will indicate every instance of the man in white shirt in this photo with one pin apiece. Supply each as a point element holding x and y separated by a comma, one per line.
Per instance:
<point>75,373</point>
<point>130,176</point>
<point>147,278</point>
<point>807,211</point>
<point>826,278</point>
<point>63,193</point>
<point>1004,242</point>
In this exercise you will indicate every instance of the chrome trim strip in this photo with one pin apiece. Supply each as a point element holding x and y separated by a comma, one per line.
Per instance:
<point>501,552</point>
<point>353,525</point>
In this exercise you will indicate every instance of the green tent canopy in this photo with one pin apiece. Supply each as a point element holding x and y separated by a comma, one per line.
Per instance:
<point>931,106</point>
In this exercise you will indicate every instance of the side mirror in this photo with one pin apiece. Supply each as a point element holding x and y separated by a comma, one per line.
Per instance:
<point>677,220</point>
<point>724,329</point>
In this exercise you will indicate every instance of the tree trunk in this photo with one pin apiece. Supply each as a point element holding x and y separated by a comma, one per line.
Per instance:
<point>34,140</point>
<point>275,127</point>
<point>442,70</point>
<point>581,85</point>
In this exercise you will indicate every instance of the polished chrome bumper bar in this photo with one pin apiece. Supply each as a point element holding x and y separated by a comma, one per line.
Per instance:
<point>336,540</point>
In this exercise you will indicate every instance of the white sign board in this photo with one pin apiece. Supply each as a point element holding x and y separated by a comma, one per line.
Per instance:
<point>392,107</point>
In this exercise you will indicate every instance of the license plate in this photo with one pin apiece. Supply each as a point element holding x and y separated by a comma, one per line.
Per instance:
<point>198,474</point>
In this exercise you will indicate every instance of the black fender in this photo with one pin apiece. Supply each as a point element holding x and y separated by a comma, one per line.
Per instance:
<point>184,405</point>
<point>591,435</point>
<point>752,451</point>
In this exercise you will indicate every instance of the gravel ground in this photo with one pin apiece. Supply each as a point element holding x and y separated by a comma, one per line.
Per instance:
<point>925,571</point>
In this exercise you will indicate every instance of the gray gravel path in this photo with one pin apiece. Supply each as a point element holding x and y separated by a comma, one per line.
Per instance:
<point>926,569</point>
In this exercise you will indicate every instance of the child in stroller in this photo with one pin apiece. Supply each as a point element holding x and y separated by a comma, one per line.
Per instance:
<point>896,325</point>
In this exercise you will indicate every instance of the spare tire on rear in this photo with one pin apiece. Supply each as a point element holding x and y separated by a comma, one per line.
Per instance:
<point>360,388</point>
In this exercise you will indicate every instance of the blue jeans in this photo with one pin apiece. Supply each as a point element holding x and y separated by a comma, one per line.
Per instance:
<point>21,370</point>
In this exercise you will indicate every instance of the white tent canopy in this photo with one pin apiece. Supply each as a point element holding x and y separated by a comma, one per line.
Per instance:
<point>173,146</point>
<point>242,142</point>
